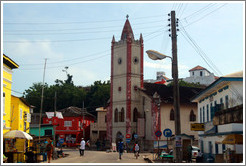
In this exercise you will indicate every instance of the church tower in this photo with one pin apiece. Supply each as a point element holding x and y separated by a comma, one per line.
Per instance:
<point>126,78</point>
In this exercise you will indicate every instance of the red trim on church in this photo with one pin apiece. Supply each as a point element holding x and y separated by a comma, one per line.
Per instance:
<point>128,85</point>
<point>141,65</point>
<point>156,120</point>
<point>110,115</point>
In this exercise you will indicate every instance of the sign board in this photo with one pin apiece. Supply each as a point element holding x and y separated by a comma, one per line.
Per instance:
<point>54,120</point>
<point>135,136</point>
<point>167,132</point>
<point>197,127</point>
<point>61,141</point>
<point>158,133</point>
<point>128,140</point>
<point>51,114</point>
<point>61,135</point>
<point>178,141</point>
<point>28,118</point>
<point>128,135</point>
<point>114,147</point>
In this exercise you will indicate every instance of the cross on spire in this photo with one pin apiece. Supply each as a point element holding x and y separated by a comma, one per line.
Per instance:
<point>127,16</point>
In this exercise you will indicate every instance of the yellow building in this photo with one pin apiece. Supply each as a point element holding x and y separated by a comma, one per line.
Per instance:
<point>20,116</point>
<point>8,66</point>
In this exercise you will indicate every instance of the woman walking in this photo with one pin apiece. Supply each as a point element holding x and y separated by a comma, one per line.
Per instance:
<point>49,150</point>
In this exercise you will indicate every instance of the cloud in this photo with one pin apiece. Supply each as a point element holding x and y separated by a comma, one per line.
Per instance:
<point>157,65</point>
<point>166,66</point>
<point>82,76</point>
<point>27,52</point>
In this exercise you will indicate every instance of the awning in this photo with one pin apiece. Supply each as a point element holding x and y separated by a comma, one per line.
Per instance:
<point>233,139</point>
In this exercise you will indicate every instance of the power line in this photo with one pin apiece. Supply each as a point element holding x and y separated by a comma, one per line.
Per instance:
<point>57,41</point>
<point>14,91</point>
<point>78,22</point>
<point>77,29</point>
<point>205,15</point>
<point>67,64</point>
<point>202,52</point>
<point>95,58</point>
<point>185,6</point>
<point>197,50</point>
<point>199,11</point>
<point>206,58</point>
<point>68,33</point>
<point>90,55</point>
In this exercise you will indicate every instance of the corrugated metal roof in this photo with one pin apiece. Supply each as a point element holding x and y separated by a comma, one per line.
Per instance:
<point>166,92</point>
<point>236,74</point>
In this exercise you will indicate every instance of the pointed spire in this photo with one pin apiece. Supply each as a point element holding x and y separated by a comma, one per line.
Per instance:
<point>113,39</point>
<point>141,38</point>
<point>127,30</point>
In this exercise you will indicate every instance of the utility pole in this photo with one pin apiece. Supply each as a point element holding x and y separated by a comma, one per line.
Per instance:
<point>41,105</point>
<point>176,99</point>
<point>83,120</point>
<point>54,126</point>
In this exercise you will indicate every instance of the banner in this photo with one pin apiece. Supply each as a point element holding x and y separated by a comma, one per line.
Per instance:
<point>51,114</point>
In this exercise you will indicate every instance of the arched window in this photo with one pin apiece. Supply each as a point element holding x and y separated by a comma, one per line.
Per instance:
<point>122,115</point>
<point>192,116</point>
<point>135,115</point>
<point>119,114</point>
<point>116,115</point>
<point>172,114</point>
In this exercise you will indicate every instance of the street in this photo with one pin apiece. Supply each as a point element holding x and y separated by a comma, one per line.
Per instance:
<point>98,157</point>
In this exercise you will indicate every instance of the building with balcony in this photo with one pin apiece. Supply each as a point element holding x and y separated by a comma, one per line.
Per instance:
<point>220,109</point>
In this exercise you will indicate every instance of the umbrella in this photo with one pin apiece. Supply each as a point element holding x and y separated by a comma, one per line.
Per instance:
<point>17,134</point>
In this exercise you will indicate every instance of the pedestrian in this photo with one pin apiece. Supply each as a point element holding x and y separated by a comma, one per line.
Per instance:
<point>98,144</point>
<point>87,144</point>
<point>199,157</point>
<point>120,148</point>
<point>49,150</point>
<point>189,150</point>
<point>136,149</point>
<point>82,147</point>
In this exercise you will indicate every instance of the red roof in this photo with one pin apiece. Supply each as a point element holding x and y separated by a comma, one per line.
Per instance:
<point>127,30</point>
<point>197,68</point>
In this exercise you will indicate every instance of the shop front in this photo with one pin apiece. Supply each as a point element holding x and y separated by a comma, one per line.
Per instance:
<point>15,144</point>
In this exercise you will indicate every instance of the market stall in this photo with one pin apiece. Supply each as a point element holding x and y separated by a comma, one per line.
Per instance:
<point>15,145</point>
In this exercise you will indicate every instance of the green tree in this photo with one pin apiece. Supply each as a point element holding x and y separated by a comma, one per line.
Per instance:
<point>98,95</point>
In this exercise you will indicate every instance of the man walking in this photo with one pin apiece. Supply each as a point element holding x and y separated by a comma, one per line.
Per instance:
<point>120,148</point>
<point>82,147</point>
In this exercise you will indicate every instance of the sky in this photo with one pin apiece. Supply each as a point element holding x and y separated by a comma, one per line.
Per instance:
<point>78,35</point>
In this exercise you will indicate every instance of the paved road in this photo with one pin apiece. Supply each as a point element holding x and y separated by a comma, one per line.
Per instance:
<point>98,157</point>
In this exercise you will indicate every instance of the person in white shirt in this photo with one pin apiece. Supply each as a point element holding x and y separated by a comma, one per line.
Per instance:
<point>82,147</point>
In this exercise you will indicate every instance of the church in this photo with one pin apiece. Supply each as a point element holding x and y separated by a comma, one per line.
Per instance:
<point>140,109</point>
